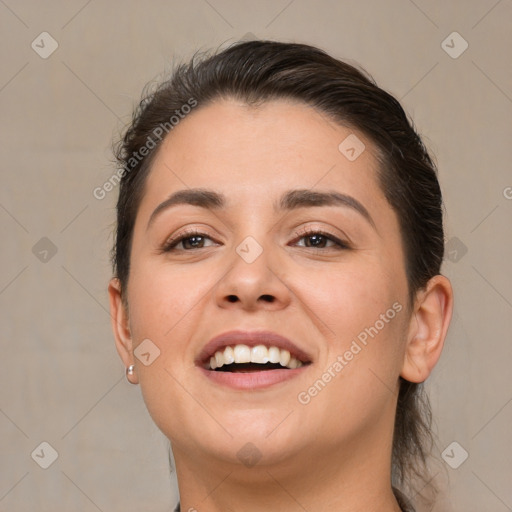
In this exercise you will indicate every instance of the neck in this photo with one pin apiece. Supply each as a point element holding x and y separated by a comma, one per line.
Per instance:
<point>353,478</point>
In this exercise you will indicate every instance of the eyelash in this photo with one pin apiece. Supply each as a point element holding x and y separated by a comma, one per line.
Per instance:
<point>170,244</point>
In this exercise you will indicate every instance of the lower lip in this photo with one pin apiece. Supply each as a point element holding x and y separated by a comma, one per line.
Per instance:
<point>252,380</point>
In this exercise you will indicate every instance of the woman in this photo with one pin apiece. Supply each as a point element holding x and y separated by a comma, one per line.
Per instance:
<point>277,289</point>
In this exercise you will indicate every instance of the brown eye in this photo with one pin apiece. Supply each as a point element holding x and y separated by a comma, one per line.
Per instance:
<point>316,239</point>
<point>188,241</point>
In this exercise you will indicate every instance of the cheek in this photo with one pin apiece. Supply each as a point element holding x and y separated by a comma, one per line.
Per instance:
<point>350,298</point>
<point>362,313</point>
<point>357,380</point>
<point>163,296</point>
<point>165,307</point>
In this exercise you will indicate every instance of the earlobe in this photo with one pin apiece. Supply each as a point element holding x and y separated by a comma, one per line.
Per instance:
<point>428,328</point>
<point>120,325</point>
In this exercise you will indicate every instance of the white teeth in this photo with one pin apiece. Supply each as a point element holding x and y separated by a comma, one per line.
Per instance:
<point>285,358</point>
<point>219,359</point>
<point>294,363</point>
<point>229,355</point>
<point>258,354</point>
<point>242,354</point>
<point>274,355</point>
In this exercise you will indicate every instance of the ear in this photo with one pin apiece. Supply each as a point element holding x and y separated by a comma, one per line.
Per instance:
<point>120,326</point>
<point>427,330</point>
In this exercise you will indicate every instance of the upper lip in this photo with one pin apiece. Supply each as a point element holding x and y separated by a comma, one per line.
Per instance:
<point>251,339</point>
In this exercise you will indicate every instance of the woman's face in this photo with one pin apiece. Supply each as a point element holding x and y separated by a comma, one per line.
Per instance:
<point>268,259</point>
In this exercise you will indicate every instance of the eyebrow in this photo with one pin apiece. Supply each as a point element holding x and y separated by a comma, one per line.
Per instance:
<point>290,200</point>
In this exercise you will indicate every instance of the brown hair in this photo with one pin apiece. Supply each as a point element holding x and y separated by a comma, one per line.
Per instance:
<point>258,71</point>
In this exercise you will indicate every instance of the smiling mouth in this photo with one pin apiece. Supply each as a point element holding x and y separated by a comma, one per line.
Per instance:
<point>244,359</point>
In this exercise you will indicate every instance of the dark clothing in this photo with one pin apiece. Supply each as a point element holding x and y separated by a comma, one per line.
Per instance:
<point>402,501</point>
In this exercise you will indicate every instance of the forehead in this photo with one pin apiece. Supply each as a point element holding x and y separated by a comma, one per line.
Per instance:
<point>233,145</point>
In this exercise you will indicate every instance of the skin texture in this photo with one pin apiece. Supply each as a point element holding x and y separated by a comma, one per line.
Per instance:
<point>333,453</point>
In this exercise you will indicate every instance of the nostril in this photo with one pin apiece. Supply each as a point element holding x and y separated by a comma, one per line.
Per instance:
<point>266,298</point>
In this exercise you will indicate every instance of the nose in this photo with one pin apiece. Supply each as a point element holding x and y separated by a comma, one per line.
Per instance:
<point>253,284</point>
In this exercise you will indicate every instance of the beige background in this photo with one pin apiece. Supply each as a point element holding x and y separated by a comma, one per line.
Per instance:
<point>61,380</point>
